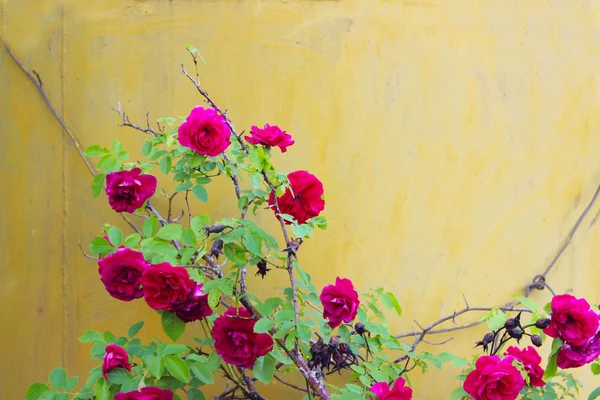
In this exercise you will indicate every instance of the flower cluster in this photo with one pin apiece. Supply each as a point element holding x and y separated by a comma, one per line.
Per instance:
<point>573,322</point>
<point>126,276</point>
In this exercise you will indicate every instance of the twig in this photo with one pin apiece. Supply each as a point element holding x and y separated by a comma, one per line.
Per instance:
<point>290,384</point>
<point>162,221</point>
<point>126,122</point>
<point>425,331</point>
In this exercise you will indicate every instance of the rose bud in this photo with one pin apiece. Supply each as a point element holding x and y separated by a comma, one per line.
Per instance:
<point>536,340</point>
<point>487,339</point>
<point>542,323</point>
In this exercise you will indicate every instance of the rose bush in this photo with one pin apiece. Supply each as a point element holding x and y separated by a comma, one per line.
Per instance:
<point>193,272</point>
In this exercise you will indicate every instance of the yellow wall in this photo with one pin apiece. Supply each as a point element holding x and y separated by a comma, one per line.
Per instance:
<point>458,142</point>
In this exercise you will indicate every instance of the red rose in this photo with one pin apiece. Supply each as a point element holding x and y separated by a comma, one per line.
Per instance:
<point>493,379</point>
<point>147,393</point>
<point>121,272</point>
<point>574,356</point>
<point>531,361</point>
<point>128,190</point>
<point>572,320</point>
<point>236,341</point>
<point>398,392</point>
<point>340,302</point>
<point>205,131</point>
<point>195,307</point>
<point>307,200</point>
<point>166,287</point>
<point>270,136</point>
<point>115,357</point>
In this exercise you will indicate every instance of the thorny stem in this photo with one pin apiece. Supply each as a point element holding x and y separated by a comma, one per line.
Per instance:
<point>162,221</point>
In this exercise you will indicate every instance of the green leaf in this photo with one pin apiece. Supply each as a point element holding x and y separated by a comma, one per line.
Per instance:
<point>302,231</point>
<point>263,325</point>
<point>235,253</point>
<point>109,163</point>
<point>188,238</point>
<point>458,393</point>
<point>203,372</point>
<point>172,325</point>
<point>115,235</point>
<point>269,305</point>
<point>118,376</point>
<point>530,304</point>
<point>132,240</point>
<point>135,328</point>
<point>165,165</point>
<point>177,367</point>
<point>170,232</point>
<point>36,391</point>
<point>95,151</point>
<point>200,193</point>
<point>58,378</point>
<point>91,336</point>
<point>595,394</point>
<point>197,223</point>
<point>552,367</point>
<point>71,383</point>
<point>102,390</point>
<point>320,222</point>
<point>146,149</point>
<point>264,368</point>
<point>177,349</point>
<point>100,245</point>
<point>495,319</point>
<point>390,301</point>
<point>150,226</point>
<point>253,243</point>
<point>595,368</point>
<point>195,394</point>
<point>97,184</point>
<point>117,146</point>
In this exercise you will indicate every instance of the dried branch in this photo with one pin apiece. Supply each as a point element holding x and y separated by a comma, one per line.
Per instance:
<point>289,384</point>
<point>126,122</point>
<point>430,328</point>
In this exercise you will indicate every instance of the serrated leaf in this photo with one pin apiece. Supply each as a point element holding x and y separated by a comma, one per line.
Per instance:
<point>132,240</point>
<point>195,394</point>
<point>97,184</point>
<point>135,328</point>
<point>177,349</point>
<point>198,222</point>
<point>146,149</point>
<point>234,253</point>
<point>91,336</point>
<point>172,325</point>
<point>595,368</point>
<point>150,226</point>
<point>177,367</point>
<point>36,391</point>
<point>58,378</point>
<point>269,305</point>
<point>302,231</point>
<point>263,325</point>
<point>71,383</point>
<point>115,235</point>
<point>109,163</point>
<point>391,302</point>
<point>203,372</point>
<point>118,376</point>
<point>458,393</point>
<point>264,368</point>
<point>165,165</point>
<point>530,304</point>
<point>253,243</point>
<point>201,193</point>
<point>170,232</point>
<point>95,151</point>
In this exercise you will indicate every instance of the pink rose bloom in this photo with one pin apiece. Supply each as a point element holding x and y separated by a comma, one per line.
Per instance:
<point>270,136</point>
<point>572,320</point>
<point>121,273</point>
<point>398,391</point>
<point>166,287</point>
<point>115,357</point>
<point>147,393</point>
<point>205,131</point>
<point>573,356</point>
<point>531,361</point>
<point>235,340</point>
<point>340,302</point>
<point>195,307</point>
<point>493,379</point>
<point>128,190</point>
<point>307,200</point>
